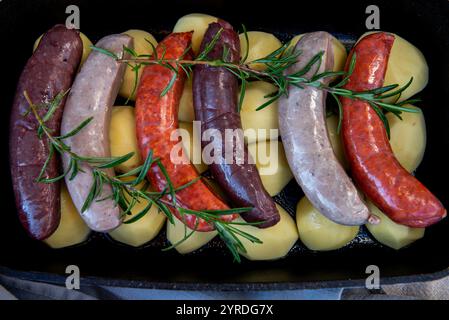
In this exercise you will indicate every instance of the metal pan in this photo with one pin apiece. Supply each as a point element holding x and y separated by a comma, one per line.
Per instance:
<point>424,23</point>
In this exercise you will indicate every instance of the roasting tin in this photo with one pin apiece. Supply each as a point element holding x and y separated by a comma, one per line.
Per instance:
<point>102,262</point>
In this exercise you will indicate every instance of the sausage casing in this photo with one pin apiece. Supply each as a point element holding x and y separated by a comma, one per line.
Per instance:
<point>215,92</point>
<point>93,95</point>
<point>373,165</point>
<point>49,72</point>
<point>302,124</point>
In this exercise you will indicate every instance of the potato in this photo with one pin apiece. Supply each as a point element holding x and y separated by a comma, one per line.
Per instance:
<point>186,112</point>
<point>143,230</point>
<point>86,46</point>
<point>408,138</point>
<point>141,46</point>
<point>277,240</point>
<point>261,44</point>
<point>72,229</point>
<point>176,231</point>
<point>335,139</point>
<point>340,54</point>
<point>122,137</point>
<point>192,147</point>
<point>318,232</point>
<point>265,119</point>
<point>390,233</point>
<point>405,61</point>
<point>274,172</point>
<point>196,22</point>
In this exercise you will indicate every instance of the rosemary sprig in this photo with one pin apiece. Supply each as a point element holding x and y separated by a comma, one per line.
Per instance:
<point>122,189</point>
<point>277,63</point>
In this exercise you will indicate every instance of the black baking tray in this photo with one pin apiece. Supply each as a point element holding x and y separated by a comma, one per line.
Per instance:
<point>102,262</point>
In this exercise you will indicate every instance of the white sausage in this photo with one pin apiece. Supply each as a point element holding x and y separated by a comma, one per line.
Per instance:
<point>92,95</point>
<point>302,124</point>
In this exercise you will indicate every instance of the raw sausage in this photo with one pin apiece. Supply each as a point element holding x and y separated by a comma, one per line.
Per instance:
<point>48,72</point>
<point>93,95</point>
<point>156,119</point>
<point>378,173</point>
<point>302,124</point>
<point>215,101</point>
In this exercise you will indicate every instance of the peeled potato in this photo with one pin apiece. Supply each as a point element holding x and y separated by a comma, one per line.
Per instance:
<point>86,46</point>
<point>408,138</point>
<point>192,147</point>
<point>277,240</point>
<point>186,112</point>
<point>335,139</point>
<point>318,232</point>
<point>261,44</point>
<point>122,137</point>
<point>340,54</point>
<point>143,230</point>
<point>273,169</point>
<point>265,119</point>
<point>72,229</point>
<point>405,61</point>
<point>196,22</point>
<point>390,233</point>
<point>141,46</point>
<point>176,232</point>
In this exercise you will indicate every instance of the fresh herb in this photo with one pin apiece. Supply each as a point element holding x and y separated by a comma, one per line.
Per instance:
<point>126,192</point>
<point>277,64</point>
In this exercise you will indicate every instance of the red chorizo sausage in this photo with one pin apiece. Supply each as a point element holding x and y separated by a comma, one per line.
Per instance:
<point>215,92</point>
<point>373,165</point>
<point>48,72</point>
<point>156,118</point>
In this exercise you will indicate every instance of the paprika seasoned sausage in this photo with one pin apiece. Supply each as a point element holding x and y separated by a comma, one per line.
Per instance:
<point>156,119</point>
<point>373,165</point>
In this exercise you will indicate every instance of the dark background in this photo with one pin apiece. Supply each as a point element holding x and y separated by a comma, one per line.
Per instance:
<point>424,23</point>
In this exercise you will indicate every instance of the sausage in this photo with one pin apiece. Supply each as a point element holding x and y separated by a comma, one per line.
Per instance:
<point>215,102</point>
<point>92,95</point>
<point>48,72</point>
<point>373,165</point>
<point>302,124</point>
<point>156,119</point>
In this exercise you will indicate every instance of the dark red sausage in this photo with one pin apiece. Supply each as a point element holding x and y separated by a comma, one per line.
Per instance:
<point>374,167</point>
<point>156,119</point>
<point>215,92</point>
<point>49,71</point>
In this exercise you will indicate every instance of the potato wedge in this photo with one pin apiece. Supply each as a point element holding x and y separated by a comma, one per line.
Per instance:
<point>340,54</point>
<point>273,169</point>
<point>265,119</point>
<point>192,147</point>
<point>261,44</point>
<point>196,22</point>
<point>390,233</point>
<point>186,112</point>
<point>408,138</point>
<point>143,230</point>
<point>122,137</point>
<point>277,240</point>
<point>141,46</point>
<point>335,139</point>
<point>86,46</point>
<point>318,232</point>
<point>405,61</point>
<point>176,232</point>
<point>72,229</point>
